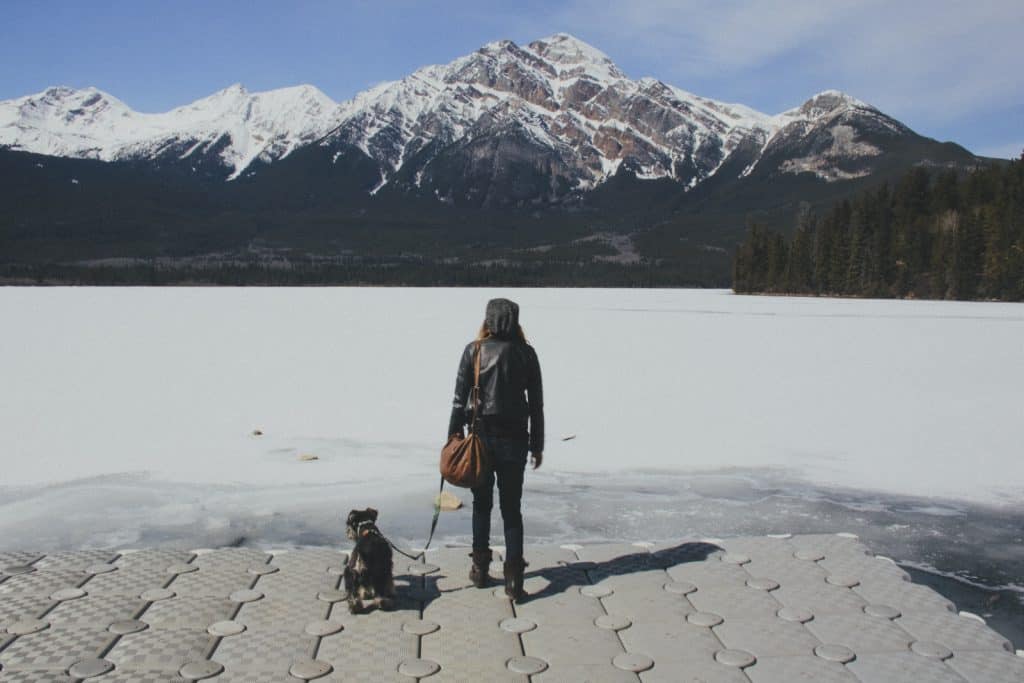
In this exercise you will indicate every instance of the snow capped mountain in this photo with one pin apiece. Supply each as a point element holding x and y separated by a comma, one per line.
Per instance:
<point>559,94</point>
<point>237,125</point>
<point>506,123</point>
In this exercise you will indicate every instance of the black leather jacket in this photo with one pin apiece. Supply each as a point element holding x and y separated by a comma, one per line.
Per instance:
<point>510,390</point>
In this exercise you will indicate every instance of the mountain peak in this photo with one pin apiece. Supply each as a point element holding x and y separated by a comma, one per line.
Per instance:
<point>572,57</point>
<point>497,45</point>
<point>830,100</point>
<point>74,100</point>
<point>565,48</point>
<point>58,91</point>
<point>233,90</point>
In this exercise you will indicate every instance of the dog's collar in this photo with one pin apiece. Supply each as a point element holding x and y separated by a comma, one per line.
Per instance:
<point>361,529</point>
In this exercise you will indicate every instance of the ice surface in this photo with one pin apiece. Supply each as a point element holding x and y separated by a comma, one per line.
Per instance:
<point>914,398</point>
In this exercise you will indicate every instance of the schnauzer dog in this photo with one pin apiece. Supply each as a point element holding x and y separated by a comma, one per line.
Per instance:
<point>369,578</point>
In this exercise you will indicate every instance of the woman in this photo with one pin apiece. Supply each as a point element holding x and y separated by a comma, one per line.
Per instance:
<point>510,397</point>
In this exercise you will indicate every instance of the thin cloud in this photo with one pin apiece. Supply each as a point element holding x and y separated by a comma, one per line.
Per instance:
<point>932,62</point>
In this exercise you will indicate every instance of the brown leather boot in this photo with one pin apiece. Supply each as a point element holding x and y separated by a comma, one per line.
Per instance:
<point>481,563</point>
<point>514,570</point>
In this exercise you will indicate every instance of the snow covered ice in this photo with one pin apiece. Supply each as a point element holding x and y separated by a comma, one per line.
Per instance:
<point>127,418</point>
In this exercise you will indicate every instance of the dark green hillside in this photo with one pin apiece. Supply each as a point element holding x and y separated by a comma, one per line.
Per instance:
<point>935,235</point>
<point>310,218</point>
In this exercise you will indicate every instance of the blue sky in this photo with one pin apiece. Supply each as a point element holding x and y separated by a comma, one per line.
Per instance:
<point>950,69</point>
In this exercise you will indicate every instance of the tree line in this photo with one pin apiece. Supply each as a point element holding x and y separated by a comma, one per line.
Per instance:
<point>414,274</point>
<point>933,235</point>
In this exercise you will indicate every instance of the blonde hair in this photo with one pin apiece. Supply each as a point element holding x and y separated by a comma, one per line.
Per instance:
<point>485,333</point>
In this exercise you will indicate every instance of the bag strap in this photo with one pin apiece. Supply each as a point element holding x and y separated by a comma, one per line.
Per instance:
<point>476,387</point>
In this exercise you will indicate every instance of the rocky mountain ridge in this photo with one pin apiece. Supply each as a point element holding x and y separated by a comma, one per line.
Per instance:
<point>507,124</point>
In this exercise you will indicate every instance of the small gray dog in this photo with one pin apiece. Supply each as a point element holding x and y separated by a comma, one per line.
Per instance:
<point>369,574</point>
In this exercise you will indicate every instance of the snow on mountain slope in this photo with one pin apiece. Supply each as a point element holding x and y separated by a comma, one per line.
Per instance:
<point>89,123</point>
<point>566,96</point>
<point>566,107</point>
<point>828,127</point>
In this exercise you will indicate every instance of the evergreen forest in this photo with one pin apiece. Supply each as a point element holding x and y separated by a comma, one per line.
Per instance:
<point>931,235</point>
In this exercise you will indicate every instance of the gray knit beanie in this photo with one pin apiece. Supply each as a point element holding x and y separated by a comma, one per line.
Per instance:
<point>502,318</point>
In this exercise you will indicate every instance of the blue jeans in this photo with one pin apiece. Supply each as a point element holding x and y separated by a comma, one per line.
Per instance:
<point>508,463</point>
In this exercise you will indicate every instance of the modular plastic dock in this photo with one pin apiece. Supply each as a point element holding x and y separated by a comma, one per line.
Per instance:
<point>761,609</point>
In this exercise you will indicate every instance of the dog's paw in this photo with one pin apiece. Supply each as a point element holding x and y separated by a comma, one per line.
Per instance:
<point>386,604</point>
<point>355,606</point>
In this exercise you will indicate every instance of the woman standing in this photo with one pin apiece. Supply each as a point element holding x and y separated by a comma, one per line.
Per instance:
<point>511,423</point>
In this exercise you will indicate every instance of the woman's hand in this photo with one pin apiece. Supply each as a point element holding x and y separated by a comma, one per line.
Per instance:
<point>536,459</point>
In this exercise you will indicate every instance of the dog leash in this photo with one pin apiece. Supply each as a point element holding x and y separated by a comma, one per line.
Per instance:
<point>433,527</point>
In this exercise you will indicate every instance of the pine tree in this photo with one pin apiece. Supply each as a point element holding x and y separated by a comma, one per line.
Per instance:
<point>799,273</point>
<point>839,261</point>
<point>941,237</point>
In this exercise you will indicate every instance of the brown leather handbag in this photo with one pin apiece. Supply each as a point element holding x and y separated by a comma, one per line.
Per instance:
<point>464,461</point>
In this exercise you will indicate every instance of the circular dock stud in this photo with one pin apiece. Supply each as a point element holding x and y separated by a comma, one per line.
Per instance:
<point>125,626</point>
<point>262,569</point>
<point>835,653</point>
<point>323,627</point>
<point>572,547</point>
<point>799,615</point>
<point>882,611</point>
<point>245,595</point>
<point>101,568</point>
<point>597,591</point>
<point>847,534</point>
<point>929,649</point>
<point>420,627</point>
<point>738,658</point>
<point>841,580</point>
<point>612,622</point>
<point>517,625</point>
<point>809,555</point>
<point>680,587</point>
<point>332,595</point>
<point>528,666</point>
<point>90,668</point>
<point>763,584</point>
<point>735,558</point>
<point>308,669</point>
<point>708,619</point>
<point>26,626</point>
<point>67,594</point>
<point>224,629</point>
<point>198,670</point>
<point>157,594</point>
<point>16,569</point>
<point>781,537</point>
<point>418,668</point>
<point>182,568</point>
<point>632,661</point>
<point>422,569</point>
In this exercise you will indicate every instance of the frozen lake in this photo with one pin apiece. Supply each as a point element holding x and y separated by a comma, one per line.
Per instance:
<point>127,418</point>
